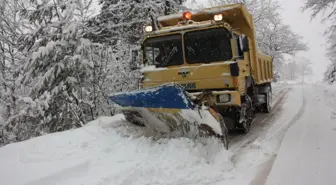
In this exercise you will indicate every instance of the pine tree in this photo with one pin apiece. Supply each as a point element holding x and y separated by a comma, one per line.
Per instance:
<point>123,21</point>
<point>65,71</point>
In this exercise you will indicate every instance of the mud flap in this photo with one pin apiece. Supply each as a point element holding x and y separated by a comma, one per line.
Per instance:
<point>168,109</point>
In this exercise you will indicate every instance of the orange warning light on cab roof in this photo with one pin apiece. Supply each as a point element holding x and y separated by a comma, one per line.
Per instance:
<point>186,16</point>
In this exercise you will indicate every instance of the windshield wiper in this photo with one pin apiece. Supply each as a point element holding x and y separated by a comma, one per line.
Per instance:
<point>169,56</point>
<point>199,55</point>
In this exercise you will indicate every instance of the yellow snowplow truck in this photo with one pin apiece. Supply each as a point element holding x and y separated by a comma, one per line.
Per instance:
<point>200,70</point>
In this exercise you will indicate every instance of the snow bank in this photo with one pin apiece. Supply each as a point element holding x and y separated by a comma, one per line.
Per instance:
<point>110,151</point>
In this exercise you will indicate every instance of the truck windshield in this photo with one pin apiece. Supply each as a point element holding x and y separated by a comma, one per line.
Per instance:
<point>163,51</point>
<point>207,46</point>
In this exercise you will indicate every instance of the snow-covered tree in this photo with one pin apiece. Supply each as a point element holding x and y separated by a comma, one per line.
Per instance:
<point>66,73</point>
<point>290,72</point>
<point>11,26</point>
<point>327,8</point>
<point>297,69</point>
<point>330,73</point>
<point>66,61</point>
<point>121,22</point>
<point>304,68</point>
<point>276,39</point>
<point>321,6</point>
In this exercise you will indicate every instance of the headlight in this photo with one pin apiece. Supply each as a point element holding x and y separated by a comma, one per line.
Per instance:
<point>224,98</point>
<point>148,29</point>
<point>218,17</point>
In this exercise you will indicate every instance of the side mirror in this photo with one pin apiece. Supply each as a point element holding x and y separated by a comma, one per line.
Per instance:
<point>135,62</point>
<point>245,43</point>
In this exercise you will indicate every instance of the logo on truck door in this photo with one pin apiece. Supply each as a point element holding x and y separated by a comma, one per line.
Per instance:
<point>183,72</point>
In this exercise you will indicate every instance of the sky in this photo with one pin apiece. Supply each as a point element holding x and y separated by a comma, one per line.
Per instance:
<point>311,30</point>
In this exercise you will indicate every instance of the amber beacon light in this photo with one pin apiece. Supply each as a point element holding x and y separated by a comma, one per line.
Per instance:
<point>186,16</point>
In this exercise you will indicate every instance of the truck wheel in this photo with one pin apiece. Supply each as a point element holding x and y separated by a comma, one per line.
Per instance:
<point>267,107</point>
<point>246,127</point>
<point>246,115</point>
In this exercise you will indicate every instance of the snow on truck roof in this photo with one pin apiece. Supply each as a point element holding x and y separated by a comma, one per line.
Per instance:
<point>230,12</point>
<point>215,10</point>
<point>235,14</point>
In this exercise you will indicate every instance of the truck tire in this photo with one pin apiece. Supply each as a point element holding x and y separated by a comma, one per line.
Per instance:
<point>246,127</point>
<point>267,107</point>
<point>246,115</point>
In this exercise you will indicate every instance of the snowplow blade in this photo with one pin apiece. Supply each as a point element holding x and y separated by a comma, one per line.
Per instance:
<point>168,109</point>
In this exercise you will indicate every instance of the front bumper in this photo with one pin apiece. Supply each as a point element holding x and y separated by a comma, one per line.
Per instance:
<point>235,98</point>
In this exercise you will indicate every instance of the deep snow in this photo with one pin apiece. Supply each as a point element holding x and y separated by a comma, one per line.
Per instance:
<point>103,153</point>
<point>111,151</point>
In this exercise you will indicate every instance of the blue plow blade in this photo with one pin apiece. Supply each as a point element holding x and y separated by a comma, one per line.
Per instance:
<point>167,109</point>
<point>169,96</point>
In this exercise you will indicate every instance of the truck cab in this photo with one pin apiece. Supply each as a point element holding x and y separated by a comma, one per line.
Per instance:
<point>212,54</point>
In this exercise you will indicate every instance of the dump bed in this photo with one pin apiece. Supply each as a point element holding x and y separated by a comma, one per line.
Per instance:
<point>263,72</point>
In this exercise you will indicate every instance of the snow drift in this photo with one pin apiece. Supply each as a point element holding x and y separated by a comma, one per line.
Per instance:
<point>110,151</point>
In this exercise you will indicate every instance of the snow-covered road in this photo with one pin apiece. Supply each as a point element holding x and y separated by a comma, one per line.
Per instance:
<point>109,151</point>
<point>307,153</point>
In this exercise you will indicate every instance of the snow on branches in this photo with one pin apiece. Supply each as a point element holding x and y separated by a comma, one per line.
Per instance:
<point>123,21</point>
<point>65,73</point>
<point>328,9</point>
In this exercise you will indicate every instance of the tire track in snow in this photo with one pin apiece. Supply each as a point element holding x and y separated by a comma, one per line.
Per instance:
<point>268,121</point>
<point>295,118</point>
<point>261,177</point>
<point>261,123</point>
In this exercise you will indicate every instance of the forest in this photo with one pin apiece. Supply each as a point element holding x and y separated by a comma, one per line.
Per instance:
<point>60,59</point>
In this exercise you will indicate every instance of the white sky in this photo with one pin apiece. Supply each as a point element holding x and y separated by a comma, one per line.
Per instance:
<point>311,30</point>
